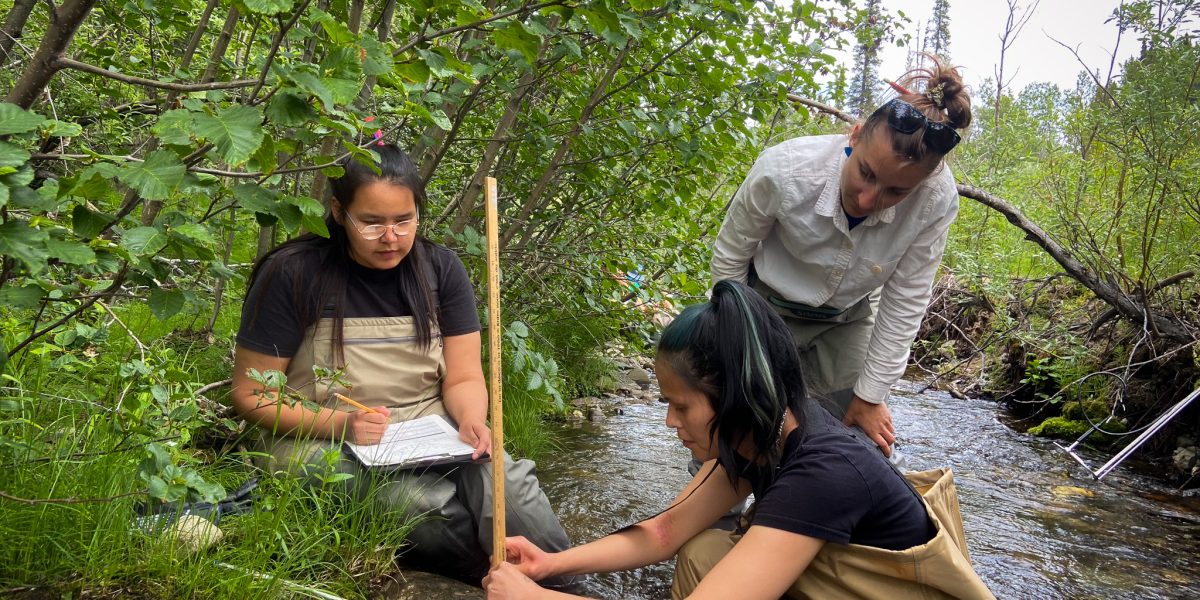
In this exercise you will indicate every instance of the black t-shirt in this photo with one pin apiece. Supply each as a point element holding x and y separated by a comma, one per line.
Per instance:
<point>831,486</point>
<point>272,320</point>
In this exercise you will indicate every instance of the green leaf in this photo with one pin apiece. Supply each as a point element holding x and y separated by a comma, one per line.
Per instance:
<point>184,412</point>
<point>436,62</point>
<point>343,63</point>
<point>28,296</point>
<point>156,178</point>
<point>11,157</point>
<point>257,198</point>
<point>70,252</point>
<point>143,241</point>
<point>344,91</point>
<point>315,86</point>
<point>159,391</point>
<point>290,215</point>
<point>515,37</point>
<point>195,232</point>
<point>568,47</point>
<point>94,181</point>
<point>49,191</point>
<point>213,492</point>
<point>28,245</point>
<point>307,205</point>
<point>416,71</point>
<point>268,7</point>
<point>315,225</point>
<point>56,128</point>
<point>289,109</point>
<point>535,382</point>
<point>339,34</point>
<point>235,131</point>
<point>438,118</point>
<point>21,196</point>
<point>519,329</point>
<point>157,488</point>
<point>166,303</point>
<point>14,119</point>
<point>86,223</point>
<point>379,57</point>
<point>265,158</point>
<point>175,127</point>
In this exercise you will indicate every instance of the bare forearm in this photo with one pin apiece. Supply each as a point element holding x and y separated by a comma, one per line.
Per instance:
<point>643,544</point>
<point>466,401</point>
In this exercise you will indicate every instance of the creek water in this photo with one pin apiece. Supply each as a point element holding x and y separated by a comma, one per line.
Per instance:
<point>1037,524</point>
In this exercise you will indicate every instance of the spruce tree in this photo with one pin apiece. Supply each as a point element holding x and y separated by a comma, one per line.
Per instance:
<point>862,92</point>
<point>937,29</point>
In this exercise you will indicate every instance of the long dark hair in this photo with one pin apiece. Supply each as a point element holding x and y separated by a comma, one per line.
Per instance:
<point>326,289</point>
<point>738,352</point>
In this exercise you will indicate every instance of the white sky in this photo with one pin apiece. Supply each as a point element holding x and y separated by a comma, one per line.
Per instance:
<point>975,27</point>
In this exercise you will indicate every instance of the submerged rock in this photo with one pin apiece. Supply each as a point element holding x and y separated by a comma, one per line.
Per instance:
<point>1185,459</point>
<point>1059,427</point>
<point>419,585</point>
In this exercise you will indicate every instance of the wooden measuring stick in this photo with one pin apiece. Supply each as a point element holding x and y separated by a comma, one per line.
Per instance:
<point>496,408</point>
<point>355,403</point>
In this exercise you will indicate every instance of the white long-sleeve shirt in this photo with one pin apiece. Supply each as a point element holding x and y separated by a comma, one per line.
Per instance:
<point>787,217</point>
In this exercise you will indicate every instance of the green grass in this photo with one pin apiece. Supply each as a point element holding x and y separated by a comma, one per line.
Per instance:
<point>72,434</point>
<point>76,413</point>
<point>304,534</point>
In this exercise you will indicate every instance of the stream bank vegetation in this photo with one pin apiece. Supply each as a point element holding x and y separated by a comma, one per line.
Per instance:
<point>151,151</point>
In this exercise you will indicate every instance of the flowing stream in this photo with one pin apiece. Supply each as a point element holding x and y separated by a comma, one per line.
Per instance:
<point>1037,524</point>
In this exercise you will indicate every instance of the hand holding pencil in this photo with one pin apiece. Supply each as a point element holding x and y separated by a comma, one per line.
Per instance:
<point>366,425</point>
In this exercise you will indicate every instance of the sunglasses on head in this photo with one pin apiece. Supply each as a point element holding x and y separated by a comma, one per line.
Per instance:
<point>905,118</point>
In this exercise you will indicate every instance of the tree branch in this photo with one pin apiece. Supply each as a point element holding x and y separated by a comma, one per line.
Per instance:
<point>1107,291</point>
<point>425,37</point>
<point>275,44</point>
<point>68,63</point>
<point>825,108</point>
<point>1112,313</point>
<point>110,290</point>
<point>64,21</point>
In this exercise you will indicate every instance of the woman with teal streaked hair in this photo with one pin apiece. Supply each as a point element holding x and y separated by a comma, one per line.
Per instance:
<point>833,517</point>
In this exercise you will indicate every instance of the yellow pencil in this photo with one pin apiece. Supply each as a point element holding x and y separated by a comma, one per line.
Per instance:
<point>355,403</point>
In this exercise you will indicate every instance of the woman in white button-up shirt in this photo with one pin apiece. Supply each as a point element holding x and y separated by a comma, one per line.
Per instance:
<point>843,234</point>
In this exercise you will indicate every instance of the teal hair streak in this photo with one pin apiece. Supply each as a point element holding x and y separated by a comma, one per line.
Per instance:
<point>754,361</point>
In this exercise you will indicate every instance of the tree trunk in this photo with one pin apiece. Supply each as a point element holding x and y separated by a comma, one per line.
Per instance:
<point>221,46</point>
<point>151,209</point>
<point>470,194</point>
<point>14,25</point>
<point>330,143</point>
<point>64,22</point>
<point>382,32</point>
<point>564,146</point>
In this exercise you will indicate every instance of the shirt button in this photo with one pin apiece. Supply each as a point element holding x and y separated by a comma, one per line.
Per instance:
<point>837,272</point>
<point>876,269</point>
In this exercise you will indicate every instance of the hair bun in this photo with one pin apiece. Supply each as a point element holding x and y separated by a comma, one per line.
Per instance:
<point>938,88</point>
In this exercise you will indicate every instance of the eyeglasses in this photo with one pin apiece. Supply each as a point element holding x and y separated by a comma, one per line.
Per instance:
<point>374,232</point>
<point>905,118</point>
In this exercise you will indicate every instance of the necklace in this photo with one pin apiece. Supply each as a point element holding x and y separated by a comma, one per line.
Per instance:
<point>779,434</point>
